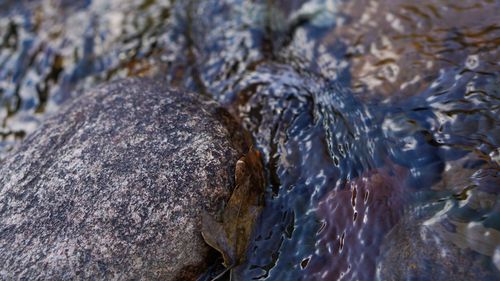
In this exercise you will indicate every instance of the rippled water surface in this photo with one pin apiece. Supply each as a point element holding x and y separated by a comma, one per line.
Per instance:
<point>378,120</point>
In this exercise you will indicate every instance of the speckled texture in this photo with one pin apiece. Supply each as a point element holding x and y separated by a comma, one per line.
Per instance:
<point>112,187</point>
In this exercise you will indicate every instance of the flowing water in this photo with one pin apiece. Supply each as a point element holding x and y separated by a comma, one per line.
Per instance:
<point>378,120</point>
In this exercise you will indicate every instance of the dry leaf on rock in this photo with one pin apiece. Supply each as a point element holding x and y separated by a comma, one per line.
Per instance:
<point>231,236</point>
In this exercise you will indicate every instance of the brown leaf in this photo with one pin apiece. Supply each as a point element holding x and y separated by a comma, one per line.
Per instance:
<point>215,236</point>
<point>231,236</point>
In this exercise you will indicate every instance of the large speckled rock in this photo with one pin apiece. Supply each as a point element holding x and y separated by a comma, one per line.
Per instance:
<point>112,187</point>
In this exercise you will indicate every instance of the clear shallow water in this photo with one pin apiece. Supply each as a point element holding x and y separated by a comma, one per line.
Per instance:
<point>378,119</point>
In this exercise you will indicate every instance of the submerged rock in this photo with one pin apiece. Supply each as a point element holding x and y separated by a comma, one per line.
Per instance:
<point>355,219</point>
<point>453,234</point>
<point>419,251</point>
<point>113,186</point>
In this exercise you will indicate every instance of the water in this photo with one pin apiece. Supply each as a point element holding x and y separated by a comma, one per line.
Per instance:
<point>378,120</point>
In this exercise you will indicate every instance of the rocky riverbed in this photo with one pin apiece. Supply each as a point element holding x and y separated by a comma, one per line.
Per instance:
<point>383,109</point>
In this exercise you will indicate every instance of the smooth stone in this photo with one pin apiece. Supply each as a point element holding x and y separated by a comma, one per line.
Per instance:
<point>425,250</point>
<point>112,187</point>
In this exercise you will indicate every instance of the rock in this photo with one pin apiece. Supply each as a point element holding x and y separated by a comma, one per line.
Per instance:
<point>355,219</point>
<point>427,250</point>
<point>112,187</point>
<point>451,235</point>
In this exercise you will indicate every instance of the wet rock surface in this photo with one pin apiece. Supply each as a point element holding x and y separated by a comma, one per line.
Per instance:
<point>348,217</point>
<point>425,252</point>
<point>112,186</point>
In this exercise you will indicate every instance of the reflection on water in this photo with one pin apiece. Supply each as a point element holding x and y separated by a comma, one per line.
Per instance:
<point>378,120</point>
<point>397,47</point>
<point>51,50</point>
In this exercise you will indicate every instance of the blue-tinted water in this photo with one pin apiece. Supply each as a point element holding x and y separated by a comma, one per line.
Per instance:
<point>378,120</point>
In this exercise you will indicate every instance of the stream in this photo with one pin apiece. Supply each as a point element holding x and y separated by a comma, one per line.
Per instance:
<point>378,121</point>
